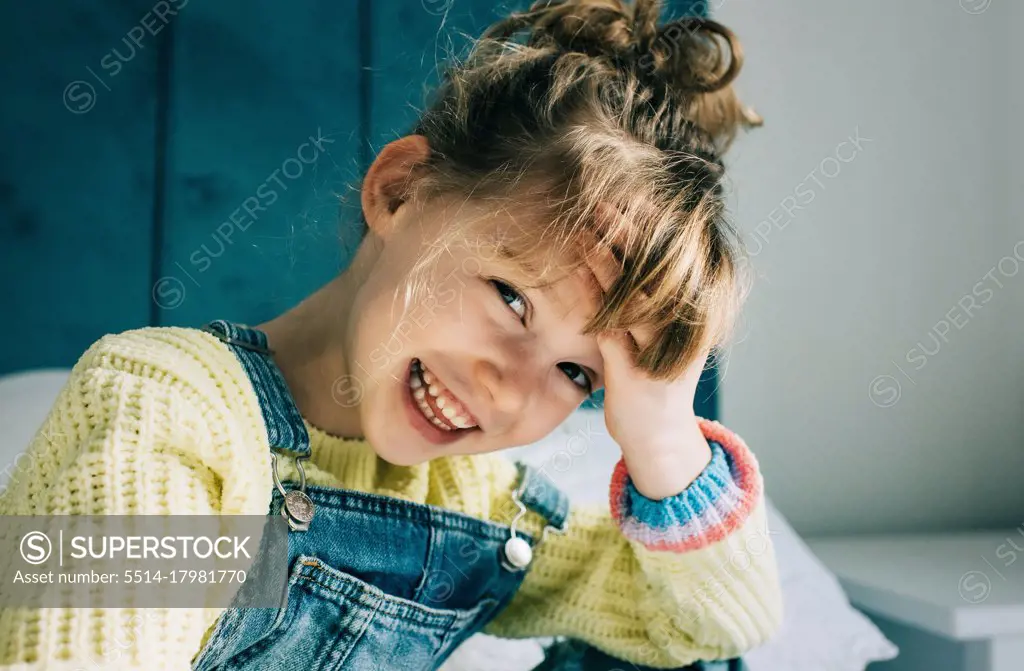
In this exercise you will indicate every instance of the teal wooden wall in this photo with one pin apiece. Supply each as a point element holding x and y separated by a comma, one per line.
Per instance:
<point>175,161</point>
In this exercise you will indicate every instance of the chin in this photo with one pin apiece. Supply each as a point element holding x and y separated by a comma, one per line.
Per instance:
<point>396,462</point>
<point>390,445</point>
<point>400,457</point>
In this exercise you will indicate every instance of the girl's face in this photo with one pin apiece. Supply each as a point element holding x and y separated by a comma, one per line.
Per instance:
<point>479,362</point>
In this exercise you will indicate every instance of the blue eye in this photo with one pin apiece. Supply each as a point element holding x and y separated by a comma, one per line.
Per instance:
<point>512,298</point>
<point>517,302</point>
<point>577,376</point>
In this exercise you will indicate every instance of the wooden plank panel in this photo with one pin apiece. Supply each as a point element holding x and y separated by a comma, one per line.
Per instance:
<point>411,40</point>
<point>76,175</point>
<point>265,133</point>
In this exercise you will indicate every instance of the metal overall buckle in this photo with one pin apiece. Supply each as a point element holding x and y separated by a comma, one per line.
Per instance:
<point>298,508</point>
<point>517,552</point>
<point>225,338</point>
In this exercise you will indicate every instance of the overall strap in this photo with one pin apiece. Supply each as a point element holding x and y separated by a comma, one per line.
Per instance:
<point>286,434</point>
<point>285,430</point>
<point>538,493</point>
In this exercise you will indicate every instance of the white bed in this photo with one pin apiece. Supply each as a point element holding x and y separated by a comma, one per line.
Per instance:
<point>821,631</point>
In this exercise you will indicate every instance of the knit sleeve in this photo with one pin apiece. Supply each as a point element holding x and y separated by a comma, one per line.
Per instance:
<point>713,506</point>
<point>126,435</point>
<point>659,583</point>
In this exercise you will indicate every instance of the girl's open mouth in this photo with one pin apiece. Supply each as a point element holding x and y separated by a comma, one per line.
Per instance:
<point>438,414</point>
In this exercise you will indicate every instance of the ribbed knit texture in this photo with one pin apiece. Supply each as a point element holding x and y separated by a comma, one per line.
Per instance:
<point>714,505</point>
<point>164,421</point>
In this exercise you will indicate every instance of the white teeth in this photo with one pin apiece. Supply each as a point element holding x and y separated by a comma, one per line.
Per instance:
<point>438,423</point>
<point>423,382</point>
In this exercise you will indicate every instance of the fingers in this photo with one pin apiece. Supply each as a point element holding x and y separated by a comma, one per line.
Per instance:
<point>604,266</point>
<point>606,269</point>
<point>642,335</point>
<point>618,353</point>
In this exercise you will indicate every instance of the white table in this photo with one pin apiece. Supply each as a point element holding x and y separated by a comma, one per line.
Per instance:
<point>964,587</point>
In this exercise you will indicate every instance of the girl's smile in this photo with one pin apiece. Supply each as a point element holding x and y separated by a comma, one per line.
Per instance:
<point>433,409</point>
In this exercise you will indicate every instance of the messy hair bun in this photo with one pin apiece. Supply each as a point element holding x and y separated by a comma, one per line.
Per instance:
<point>695,58</point>
<point>593,121</point>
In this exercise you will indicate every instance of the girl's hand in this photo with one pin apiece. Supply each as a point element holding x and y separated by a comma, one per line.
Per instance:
<point>652,421</point>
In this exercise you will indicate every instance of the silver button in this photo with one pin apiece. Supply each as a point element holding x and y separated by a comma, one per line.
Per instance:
<point>298,510</point>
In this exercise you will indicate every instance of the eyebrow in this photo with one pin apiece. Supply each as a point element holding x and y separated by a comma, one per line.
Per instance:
<point>507,254</point>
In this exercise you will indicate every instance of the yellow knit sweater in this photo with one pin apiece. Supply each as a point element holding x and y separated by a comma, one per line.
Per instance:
<point>164,421</point>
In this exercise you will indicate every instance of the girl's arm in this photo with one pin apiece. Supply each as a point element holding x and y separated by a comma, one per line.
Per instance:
<point>128,434</point>
<point>660,583</point>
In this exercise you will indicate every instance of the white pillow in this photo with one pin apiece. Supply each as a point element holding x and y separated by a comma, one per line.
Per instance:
<point>820,631</point>
<point>25,400</point>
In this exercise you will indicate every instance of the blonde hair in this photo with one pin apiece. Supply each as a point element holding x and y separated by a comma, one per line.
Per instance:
<point>600,109</point>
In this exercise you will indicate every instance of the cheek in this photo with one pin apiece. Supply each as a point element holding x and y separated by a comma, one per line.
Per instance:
<point>551,405</point>
<point>383,335</point>
<point>538,425</point>
<point>461,302</point>
<point>448,312</point>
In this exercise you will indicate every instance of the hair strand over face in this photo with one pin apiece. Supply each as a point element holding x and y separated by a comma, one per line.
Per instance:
<point>575,109</point>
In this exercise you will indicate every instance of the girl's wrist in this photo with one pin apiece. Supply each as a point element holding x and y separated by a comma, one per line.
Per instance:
<point>669,463</point>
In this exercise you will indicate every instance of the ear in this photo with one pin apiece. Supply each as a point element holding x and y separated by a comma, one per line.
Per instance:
<point>386,181</point>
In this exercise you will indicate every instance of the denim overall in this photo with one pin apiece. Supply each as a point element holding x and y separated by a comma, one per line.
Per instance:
<point>376,582</point>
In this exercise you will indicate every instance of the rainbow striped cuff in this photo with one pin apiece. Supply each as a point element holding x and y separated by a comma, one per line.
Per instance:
<point>713,506</point>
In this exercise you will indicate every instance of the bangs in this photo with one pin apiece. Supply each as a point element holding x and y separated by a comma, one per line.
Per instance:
<point>677,273</point>
<point>677,253</point>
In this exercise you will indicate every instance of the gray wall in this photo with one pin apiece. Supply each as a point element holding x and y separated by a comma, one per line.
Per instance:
<point>1013,157</point>
<point>874,401</point>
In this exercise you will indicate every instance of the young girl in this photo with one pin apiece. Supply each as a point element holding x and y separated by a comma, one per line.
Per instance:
<point>553,225</point>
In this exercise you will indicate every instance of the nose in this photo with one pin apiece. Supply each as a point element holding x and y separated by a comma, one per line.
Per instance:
<point>506,385</point>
